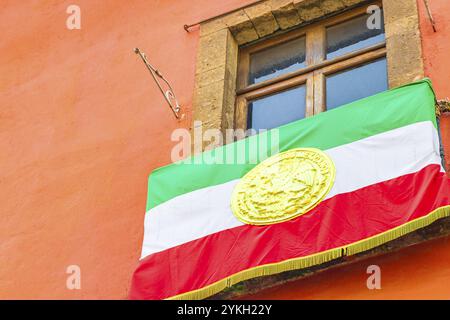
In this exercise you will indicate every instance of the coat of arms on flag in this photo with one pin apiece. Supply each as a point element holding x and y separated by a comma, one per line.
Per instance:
<point>343,182</point>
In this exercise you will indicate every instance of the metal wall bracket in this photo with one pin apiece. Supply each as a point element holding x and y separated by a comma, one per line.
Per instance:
<point>430,16</point>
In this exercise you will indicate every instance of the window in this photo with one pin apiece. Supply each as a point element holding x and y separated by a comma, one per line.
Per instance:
<point>310,70</point>
<point>355,83</point>
<point>277,60</point>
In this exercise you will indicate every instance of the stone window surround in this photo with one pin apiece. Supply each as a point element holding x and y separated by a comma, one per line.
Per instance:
<point>220,38</point>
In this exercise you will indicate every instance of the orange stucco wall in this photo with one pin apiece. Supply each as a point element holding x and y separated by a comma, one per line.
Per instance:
<point>82,125</point>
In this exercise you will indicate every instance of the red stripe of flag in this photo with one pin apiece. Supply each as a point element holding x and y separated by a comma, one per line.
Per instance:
<point>341,220</point>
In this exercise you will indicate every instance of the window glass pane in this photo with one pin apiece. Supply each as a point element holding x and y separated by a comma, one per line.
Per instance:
<point>352,35</point>
<point>277,60</point>
<point>357,83</point>
<point>278,109</point>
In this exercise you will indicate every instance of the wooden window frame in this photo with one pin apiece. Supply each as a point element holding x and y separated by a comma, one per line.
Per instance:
<point>312,75</point>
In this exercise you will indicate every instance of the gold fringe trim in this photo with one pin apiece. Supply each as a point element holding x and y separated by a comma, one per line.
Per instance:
<point>317,258</point>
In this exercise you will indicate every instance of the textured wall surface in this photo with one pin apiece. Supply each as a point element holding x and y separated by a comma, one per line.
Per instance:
<point>82,124</point>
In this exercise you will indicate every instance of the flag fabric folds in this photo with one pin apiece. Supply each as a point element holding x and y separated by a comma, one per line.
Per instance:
<point>388,181</point>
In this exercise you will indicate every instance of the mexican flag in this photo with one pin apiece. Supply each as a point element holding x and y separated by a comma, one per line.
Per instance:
<point>333,185</point>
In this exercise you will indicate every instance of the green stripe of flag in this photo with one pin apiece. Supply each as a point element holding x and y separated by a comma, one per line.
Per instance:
<point>385,111</point>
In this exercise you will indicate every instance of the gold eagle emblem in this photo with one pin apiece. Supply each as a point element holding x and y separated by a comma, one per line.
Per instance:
<point>283,187</point>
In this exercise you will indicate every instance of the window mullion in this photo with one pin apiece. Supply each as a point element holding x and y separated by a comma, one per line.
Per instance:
<point>315,45</point>
<point>243,69</point>
<point>240,115</point>
<point>315,53</point>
